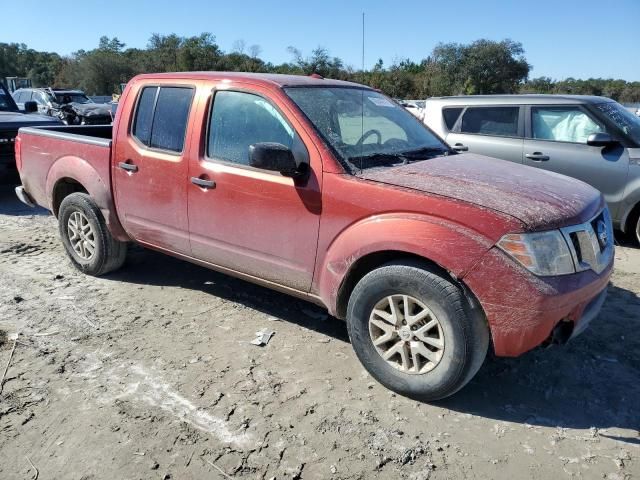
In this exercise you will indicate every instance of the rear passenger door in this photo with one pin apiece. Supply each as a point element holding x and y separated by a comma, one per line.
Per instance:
<point>557,141</point>
<point>495,131</point>
<point>150,168</point>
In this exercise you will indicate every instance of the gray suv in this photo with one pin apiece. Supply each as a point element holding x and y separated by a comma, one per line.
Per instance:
<point>594,139</point>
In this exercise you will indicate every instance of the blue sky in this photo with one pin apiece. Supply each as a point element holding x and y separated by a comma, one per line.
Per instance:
<point>579,38</point>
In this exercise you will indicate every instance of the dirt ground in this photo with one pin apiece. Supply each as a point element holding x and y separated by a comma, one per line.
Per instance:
<point>148,373</point>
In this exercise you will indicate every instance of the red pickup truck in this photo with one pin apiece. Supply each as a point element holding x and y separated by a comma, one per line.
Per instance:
<point>332,192</point>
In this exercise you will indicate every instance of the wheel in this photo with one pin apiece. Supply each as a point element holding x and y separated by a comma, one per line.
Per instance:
<point>415,332</point>
<point>637,229</point>
<point>86,238</point>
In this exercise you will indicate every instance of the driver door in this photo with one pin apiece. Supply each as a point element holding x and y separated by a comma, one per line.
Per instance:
<point>248,220</point>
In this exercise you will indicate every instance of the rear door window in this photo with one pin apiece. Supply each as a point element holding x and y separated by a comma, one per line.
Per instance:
<point>496,121</point>
<point>450,115</point>
<point>170,118</point>
<point>562,124</point>
<point>161,117</point>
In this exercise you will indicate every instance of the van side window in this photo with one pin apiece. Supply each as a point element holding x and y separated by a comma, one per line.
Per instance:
<point>450,115</point>
<point>239,120</point>
<point>562,124</point>
<point>498,121</point>
<point>161,117</point>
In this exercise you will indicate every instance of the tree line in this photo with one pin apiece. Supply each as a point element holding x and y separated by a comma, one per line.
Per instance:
<point>480,67</point>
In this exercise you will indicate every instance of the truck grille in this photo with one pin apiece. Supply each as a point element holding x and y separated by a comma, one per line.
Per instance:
<point>7,145</point>
<point>591,243</point>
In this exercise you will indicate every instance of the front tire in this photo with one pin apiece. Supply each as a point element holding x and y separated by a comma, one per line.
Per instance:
<point>86,238</point>
<point>415,331</point>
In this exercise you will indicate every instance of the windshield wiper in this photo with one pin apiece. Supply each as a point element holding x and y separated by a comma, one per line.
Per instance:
<point>402,158</point>
<point>379,159</point>
<point>425,153</point>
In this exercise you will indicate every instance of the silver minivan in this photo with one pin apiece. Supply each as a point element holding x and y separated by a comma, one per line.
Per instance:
<point>594,139</point>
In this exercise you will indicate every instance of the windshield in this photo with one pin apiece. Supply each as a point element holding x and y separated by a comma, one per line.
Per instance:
<point>6,102</point>
<point>365,128</point>
<point>72,98</point>
<point>622,118</point>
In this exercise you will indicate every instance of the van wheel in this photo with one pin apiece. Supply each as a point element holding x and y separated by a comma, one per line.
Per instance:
<point>415,332</point>
<point>86,237</point>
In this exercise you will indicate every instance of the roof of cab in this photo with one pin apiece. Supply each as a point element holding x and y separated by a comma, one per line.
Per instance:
<point>261,78</point>
<point>523,99</point>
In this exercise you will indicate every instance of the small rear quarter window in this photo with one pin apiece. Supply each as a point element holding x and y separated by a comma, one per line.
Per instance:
<point>144,115</point>
<point>450,115</point>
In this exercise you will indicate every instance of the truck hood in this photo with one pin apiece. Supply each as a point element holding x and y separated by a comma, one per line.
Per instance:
<point>539,199</point>
<point>15,120</point>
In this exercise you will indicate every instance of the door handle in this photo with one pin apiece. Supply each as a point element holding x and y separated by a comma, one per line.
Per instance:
<point>537,157</point>
<point>201,182</point>
<point>129,167</point>
<point>458,147</point>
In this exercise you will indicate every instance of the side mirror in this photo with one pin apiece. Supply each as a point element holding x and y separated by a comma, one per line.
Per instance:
<point>601,139</point>
<point>275,157</point>
<point>30,107</point>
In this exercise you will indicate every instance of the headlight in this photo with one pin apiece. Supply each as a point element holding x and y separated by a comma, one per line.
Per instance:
<point>542,253</point>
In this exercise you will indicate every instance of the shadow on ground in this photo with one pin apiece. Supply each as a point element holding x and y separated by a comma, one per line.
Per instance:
<point>590,382</point>
<point>10,205</point>
<point>146,267</point>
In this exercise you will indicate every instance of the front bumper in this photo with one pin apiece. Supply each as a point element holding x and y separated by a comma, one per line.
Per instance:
<point>590,312</point>
<point>522,310</point>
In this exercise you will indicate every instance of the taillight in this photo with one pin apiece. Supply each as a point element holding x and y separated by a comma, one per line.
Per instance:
<point>18,151</point>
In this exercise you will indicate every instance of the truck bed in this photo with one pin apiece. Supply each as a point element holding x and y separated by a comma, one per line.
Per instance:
<point>66,152</point>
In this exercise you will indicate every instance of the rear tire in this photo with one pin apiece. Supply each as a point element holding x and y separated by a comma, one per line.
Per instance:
<point>455,335</point>
<point>86,238</point>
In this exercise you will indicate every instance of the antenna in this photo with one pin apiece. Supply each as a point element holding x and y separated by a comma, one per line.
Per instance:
<point>363,47</point>
<point>362,99</point>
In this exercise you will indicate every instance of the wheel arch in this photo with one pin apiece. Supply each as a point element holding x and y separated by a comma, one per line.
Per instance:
<point>63,188</point>
<point>445,248</point>
<point>72,174</point>
<point>374,260</point>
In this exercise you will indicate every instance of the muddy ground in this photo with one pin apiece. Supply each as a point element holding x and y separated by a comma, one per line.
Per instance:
<point>149,373</point>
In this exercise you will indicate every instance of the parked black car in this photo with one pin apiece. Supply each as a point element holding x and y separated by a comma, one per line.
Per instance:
<point>11,119</point>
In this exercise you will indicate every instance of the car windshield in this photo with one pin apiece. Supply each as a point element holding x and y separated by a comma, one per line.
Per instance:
<point>622,118</point>
<point>365,128</point>
<point>63,98</point>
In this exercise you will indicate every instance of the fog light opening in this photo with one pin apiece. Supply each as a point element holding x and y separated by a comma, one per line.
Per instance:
<point>561,333</point>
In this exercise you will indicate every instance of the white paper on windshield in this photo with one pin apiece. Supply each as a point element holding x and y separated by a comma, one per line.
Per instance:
<point>380,102</point>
